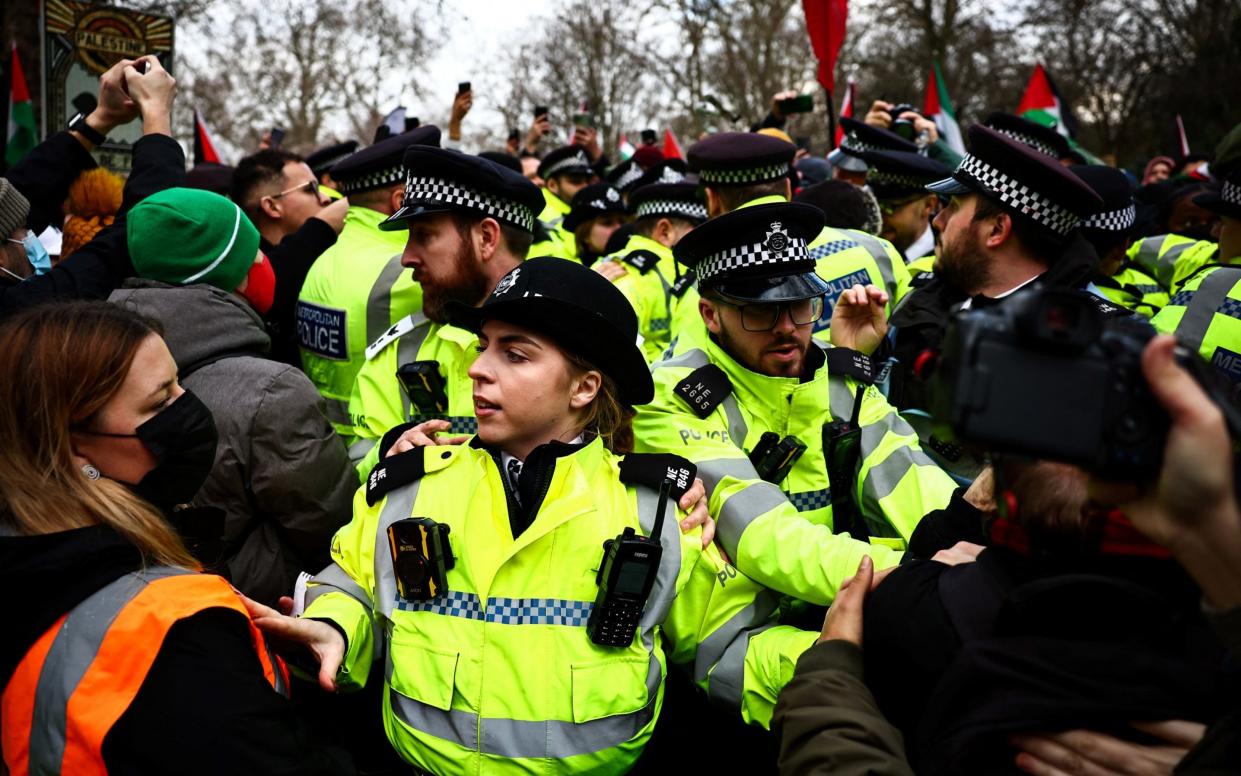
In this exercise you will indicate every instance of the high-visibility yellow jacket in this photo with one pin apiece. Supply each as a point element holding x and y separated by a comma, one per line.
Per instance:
<point>380,401</point>
<point>353,293</point>
<point>560,241</point>
<point>1133,289</point>
<point>650,285</point>
<point>1205,316</point>
<point>781,534</point>
<point>497,674</point>
<point>1171,258</point>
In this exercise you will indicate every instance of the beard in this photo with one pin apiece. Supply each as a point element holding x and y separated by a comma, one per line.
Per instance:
<point>963,265</point>
<point>466,283</point>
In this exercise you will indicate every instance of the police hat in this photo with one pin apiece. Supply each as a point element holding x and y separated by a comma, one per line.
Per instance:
<point>757,253</point>
<point>565,160</point>
<point>579,309</point>
<point>1025,181</point>
<point>859,138</point>
<point>667,171</point>
<point>379,165</point>
<point>740,159</point>
<point>441,180</point>
<point>1227,200</point>
<point>322,160</point>
<point>503,159</point>
<point>671,200</point>
<point>1040,137</point>
<point>624,175</point>
<point>897,174</point>
<point>1112,186</point>
<point>593,201</point>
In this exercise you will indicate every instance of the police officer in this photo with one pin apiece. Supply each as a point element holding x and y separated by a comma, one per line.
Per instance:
<point>664,212</point>
<point>1205,315</point>
<point>1012,217</point>
<point>898,180</point>
<point>1110,231</point>
<point>595,214</point>
<point>357,288</point>
<point>323,159</point>
<point>467,223</point>
<point>565,171</point>
<point>807,466</point>
<point>848,160</point>
<point>522,657</point>
<point>1040,137</point>
<point>743,169</point>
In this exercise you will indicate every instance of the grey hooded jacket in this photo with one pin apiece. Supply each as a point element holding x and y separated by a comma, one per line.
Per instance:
<point>282,475</point>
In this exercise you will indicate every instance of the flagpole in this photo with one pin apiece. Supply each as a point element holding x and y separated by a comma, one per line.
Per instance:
<point>831,121</point>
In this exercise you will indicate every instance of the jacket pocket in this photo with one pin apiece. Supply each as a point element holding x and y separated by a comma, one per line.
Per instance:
<point>603,688</point>
<point>422,672</point>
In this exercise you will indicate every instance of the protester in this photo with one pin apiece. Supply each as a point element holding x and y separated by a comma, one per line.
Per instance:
<point>120,657</point>
<point>280,482</point>
<point>92,204</point>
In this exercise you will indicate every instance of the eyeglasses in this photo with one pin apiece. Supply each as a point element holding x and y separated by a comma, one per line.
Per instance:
<point>765,316</point>
<point>888,207</point>
<point>311,187</point>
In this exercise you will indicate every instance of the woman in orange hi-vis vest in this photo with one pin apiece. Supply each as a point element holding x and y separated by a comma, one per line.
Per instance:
<point>118,656</point>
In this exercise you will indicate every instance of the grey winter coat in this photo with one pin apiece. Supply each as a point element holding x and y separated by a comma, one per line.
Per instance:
<point>282,475</point>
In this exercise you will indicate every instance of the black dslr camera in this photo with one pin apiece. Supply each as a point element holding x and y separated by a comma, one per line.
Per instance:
<point>1046,374</point>
<point>903,127</point>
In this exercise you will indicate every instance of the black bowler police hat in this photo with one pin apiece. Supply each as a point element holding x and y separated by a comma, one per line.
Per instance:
<point>323,159</point>
<point>895,174</point>
<point>1119,210</point>
<point>1227,200</point>
<point>740,158</point>
<point>565,160</point>
<point>441,180</point>
<point>592,201</point>
<point>579,309</point>
<point>1027,182</point>
<point>757,253</point>
<point>379,165</point>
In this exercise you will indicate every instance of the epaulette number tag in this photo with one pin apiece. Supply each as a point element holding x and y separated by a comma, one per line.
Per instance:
<point>704,388</point>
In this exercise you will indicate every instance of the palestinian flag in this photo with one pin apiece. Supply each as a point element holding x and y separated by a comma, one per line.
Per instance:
<point>1042,103</point>
<point>204,144</point>
<point>846,110</point>
<point>624,148</point>
<point>22,136</point>
<point>937,106</point>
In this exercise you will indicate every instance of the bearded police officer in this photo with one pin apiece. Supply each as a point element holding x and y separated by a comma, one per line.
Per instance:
<point>807,466</point>
<point>742,169</point>
<point>357,288</point>
<point>467,223</point>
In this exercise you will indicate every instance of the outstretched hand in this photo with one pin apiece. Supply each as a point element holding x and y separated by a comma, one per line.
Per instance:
<point>323,641</point>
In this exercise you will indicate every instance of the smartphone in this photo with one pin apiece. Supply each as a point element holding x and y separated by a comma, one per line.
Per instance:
<point>277,137</point>
<point>540,111</point>
<point>802,103</point>
<point>583,120</point>
<point>514,135</point>
<point>463,87</point>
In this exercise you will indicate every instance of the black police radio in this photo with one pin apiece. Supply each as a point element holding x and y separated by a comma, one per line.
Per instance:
<point>630,562</point>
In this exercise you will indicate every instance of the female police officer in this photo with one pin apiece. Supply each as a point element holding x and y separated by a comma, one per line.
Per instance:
<point>513,640</point>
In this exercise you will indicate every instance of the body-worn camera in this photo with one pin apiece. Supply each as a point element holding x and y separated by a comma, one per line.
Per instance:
<point>421,557</point>
<point>1047,374</point>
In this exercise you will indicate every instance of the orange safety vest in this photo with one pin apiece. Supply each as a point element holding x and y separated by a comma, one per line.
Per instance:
<point>77,680</point>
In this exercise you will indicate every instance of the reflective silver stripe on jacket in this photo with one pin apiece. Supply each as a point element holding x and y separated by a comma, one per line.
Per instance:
<point>721,656</point>
<point>696,359</point>
<point>884,477</point>
<point>337,411</point>
<point>1200,311</point>
<point>72,652</point>
<point>877,252</point>
<point>379,301</point>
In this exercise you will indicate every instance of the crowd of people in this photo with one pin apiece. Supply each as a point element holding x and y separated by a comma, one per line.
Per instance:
<point>397,458</point>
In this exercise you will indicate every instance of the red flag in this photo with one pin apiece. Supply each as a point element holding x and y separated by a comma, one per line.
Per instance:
<point>672,149</point>
<point>1042,102</point>
<point>846,109</point>
<point>825,21</point>
<point>204,145</point>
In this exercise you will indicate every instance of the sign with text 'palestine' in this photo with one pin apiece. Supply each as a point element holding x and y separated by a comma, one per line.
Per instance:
<point>81,41</point>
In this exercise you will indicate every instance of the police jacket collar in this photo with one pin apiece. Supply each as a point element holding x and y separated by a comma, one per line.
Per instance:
<point>536,477</point>
<point>774,394</point>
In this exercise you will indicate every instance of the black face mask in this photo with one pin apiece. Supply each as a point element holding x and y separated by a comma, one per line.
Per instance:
<point>182,438</point>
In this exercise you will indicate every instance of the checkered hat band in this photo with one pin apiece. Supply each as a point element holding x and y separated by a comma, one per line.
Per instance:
<point>752,175</point>
<point>1112,220</point>
<point>1029,140</point>
<point>851,142</point>
<point>577,161</point>
<point>754,255</point>
<point>631,175</point>
<point>372,180</point>
<point>326,163</point>
<point>423,189</point>
<point>672,207</point>
<point>882,178</point>
<point>1231,193</point>
<point>1018,196</point>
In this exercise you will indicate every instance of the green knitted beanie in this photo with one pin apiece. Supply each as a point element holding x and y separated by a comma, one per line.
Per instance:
<point>185,236</point>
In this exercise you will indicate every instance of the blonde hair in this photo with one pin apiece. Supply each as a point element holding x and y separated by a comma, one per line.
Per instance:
<point>65,362</point>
